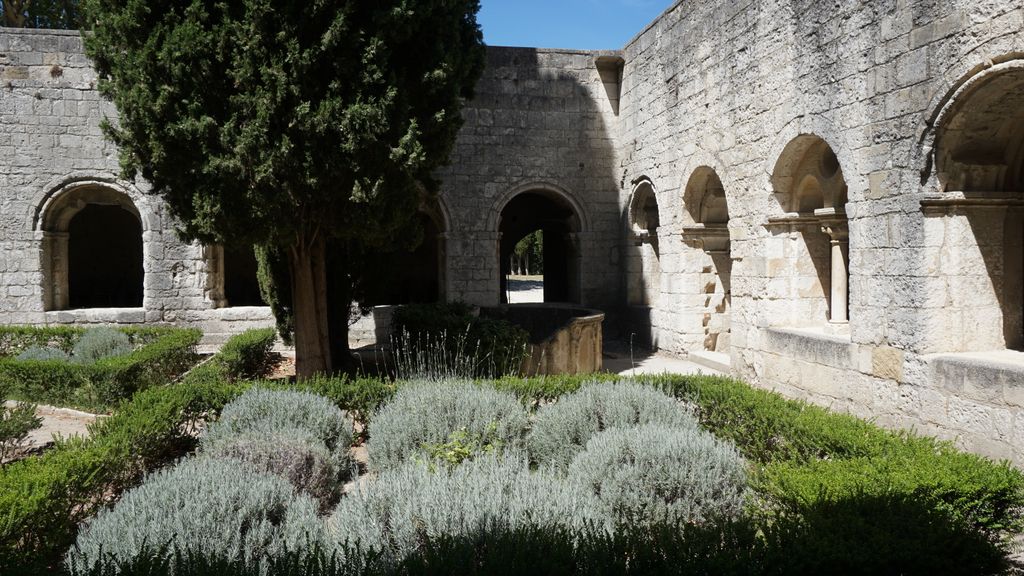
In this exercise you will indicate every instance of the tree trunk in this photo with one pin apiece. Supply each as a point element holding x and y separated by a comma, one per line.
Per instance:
<point>309,306</point>
<point>14,13</point>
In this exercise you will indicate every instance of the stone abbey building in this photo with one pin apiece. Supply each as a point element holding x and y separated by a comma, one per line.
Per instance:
<point>827,197</point>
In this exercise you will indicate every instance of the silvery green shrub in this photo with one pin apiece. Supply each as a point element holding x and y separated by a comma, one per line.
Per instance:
<point>655,474</point>
<point>423,416</point>
<point>561,430</point>
<point>261,413</point>
<point>42,353</point>
<point>411,504</point>
<point>100,342</point>
<point>291,454</point>
<point>219,509</point>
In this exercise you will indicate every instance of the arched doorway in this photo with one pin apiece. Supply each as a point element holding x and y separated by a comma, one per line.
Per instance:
<point>92,250</point>
<point>558,223</point>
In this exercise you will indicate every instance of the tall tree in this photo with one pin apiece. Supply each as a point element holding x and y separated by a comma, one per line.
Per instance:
<point>41,13</point>
<point>288,123</point>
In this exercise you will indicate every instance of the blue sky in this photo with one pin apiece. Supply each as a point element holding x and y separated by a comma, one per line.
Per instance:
<point>584,24</point>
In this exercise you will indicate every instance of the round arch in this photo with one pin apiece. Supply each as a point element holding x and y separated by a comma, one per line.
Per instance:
<point>92,247</point>
<point>554,212</point>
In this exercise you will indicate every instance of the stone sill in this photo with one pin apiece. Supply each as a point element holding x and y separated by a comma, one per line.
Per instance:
<point>243,313</point>
<point>1010,361</point>
<point>820,345</point>
<point>97,316</point>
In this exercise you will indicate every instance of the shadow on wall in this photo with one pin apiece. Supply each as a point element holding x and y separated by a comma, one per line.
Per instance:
<point>641,255</point>
<point>979,158</point>
<point>537,146</point>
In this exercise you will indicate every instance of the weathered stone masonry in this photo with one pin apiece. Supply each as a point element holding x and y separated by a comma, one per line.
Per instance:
<point>826,198</point>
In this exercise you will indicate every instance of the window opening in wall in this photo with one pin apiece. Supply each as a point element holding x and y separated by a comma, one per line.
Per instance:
<point>809,264</point>
<point>643,266</point>
<point>979,164</point>
<point>104,258</point>
<point>538,234</point>
<point>708,209</point>
<point>92,250</point>
<point>241,285</point>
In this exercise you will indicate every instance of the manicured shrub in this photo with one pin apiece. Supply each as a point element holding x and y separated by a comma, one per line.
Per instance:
<point>217,508</point>
<point>163,355</point>
<point>658,474</point>
<point>407,506</point>
<point>42,353</point>
<point>99,343</point>
<point>247,355</point>
<point>291,454</point>
<point>561,430</point>
<point>263,413</point>
<point>424,415</point>
<point>447,341</point>
<point>43,498</point>
<point>15,424</point>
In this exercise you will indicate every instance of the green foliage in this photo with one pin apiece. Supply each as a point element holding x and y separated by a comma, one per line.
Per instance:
<point>562,429</point>
<point>43,354</point>
<point>529,253</point>
<point>43,498</point>
<point>275,287</point>
<point>163,354</point>
<point>60,14</point>
<point>444,341</point>
<point>247,355</point>
<point>263,414</point>
<point>15,339</point>
<point>425,415</point>
<point>463,445</point>
<point>410,505</point>
<point>244,355</point>
<point>659,474</point>
<point>100,343</point>
<point>213,507</point>
<point>15,424</point>
<point>289,124</point>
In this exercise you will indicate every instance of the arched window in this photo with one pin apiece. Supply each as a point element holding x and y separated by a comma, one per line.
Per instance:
<point>92,250</point>
<point>708,210</point>
<point>808,267</point>
<point>643,268</point>
<point>979,161</point>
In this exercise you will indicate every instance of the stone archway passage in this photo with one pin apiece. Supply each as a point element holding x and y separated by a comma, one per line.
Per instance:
<point>555,217</point>
<point>708,207</point>
<point>104,258</point>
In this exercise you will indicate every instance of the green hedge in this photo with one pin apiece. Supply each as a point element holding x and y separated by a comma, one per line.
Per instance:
<point>43,498</point>
<point>165,353</point>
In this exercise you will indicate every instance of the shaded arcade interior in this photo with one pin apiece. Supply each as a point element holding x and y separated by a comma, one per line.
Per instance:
<point>559,223</point>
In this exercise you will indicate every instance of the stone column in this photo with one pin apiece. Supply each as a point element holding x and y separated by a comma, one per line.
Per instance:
<point>839,234</point>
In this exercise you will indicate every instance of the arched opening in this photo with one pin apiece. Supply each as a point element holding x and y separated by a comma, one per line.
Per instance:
<point>979,159</point>
<point>241,285</point>
<point>809,259</point>
<point>92,250</point>
<point>557,222</point>
<point>708,208</point>
<point>643,269</point>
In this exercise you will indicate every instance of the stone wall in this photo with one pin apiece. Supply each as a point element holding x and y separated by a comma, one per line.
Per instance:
<point>746,89</point>
<point>826,197</point>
